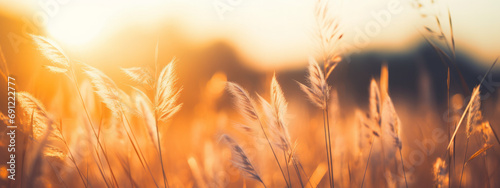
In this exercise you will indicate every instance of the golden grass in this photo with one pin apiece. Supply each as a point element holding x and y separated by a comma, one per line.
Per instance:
<point>141,135</point>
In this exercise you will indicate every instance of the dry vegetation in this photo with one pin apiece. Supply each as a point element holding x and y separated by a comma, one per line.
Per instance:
<point>120,137</point>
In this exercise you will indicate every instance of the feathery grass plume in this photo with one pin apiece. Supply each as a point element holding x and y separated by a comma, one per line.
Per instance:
<point>328,34</point>
<point>166,93</point>
<point>62,64</point>
<point>375,103</point>
<point>440,173</point>
<point>241,160</point>
<point>318,89</point>
<point>34,108</point>
<point>318,93</point>
<point>106,89</point>
<point>140,75</point>
<point>244,102</point>
<point>117,101</point>
<point>165,100</point>
<point>485,130</point>
<point>34,172</point>
<point>391,124</point>
<point>55,153</point>
<point>53,52</point>
<point>45,132</point>
<point>247,108</point>
<point>474,117</point>
<point>367,134</point>
<point>366,131</point>
<point>475,93</point>
<point>276,112</point>
<point>278,131</point>
<point>278,101</point>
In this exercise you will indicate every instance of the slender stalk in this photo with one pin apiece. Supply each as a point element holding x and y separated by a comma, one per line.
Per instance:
<point>297,171</point>
<point>165,180</point>
<point>463,166</point>
<point>349,170</point>
<point>448,122</point>
<point>330,144</point>
<point>72,158</point>
<point>137,149</point>
<point>327,124</point>
<point>487,173</point>
<point>92,125</point>
<point>367,162</point>
<point>57,175</point>
<point>403,165</point>
<point>99,164</point>
<point>303,171</point>
<point>274,153</point>
<point>327,150</point>
<point>287,169</point>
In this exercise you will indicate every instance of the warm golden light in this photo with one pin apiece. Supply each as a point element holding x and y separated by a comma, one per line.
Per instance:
<point>245,93</point>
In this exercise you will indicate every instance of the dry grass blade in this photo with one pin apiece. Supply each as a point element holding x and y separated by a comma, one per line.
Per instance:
<point>479,152</point>
<point>240,159</point>
<point>52,51</point>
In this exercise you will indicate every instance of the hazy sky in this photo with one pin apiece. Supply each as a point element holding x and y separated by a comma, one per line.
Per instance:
<point>275,32</point>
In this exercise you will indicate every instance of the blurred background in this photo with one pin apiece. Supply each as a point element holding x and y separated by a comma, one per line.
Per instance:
<point>246,41</point>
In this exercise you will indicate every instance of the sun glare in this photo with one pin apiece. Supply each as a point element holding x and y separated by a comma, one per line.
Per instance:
<point>78,26</point>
